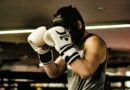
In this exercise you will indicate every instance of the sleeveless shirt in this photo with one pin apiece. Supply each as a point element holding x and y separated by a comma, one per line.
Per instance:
<point>95,82</point>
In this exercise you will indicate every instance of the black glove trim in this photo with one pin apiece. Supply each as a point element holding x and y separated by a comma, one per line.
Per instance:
<point>72,58</point>
<point>65,48</point>
<point>46,57</point>
<point>69,58</point>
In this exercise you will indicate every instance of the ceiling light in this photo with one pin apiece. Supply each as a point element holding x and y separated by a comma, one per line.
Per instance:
<point>17,31</point>
<point>107,26</point>
<point>20,31</point>
<point>100,8</point>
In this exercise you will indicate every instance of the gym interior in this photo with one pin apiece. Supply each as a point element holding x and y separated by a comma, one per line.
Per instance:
<point>19,65</point>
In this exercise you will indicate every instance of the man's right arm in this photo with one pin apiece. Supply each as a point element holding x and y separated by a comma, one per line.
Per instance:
<point>52,67</point>
<point>55,68</point>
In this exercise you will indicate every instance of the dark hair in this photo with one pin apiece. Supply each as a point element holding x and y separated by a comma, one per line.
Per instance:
<point>68,17</point>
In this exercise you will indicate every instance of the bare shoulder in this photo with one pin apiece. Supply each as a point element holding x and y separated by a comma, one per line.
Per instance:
<point>95,47</point>
<point>95,41</point>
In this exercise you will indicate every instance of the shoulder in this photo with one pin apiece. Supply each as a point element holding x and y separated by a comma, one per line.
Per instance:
<point>95,45</point>
<point>94,40</point>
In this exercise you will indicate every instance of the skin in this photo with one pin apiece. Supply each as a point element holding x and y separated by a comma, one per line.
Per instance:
<point>95,53</point>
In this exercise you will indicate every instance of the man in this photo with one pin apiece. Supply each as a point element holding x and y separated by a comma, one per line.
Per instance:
<point>83,55</point>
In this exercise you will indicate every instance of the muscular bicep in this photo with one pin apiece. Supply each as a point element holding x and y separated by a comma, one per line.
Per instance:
<point>94,55</point>
<point>95,52</point>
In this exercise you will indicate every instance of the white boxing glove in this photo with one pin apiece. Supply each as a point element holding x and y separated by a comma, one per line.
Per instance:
<point>36,41</point>
<point>57,37</point>
<point>60,38</point>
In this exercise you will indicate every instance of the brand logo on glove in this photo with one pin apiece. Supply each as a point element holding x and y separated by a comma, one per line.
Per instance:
<point>64,35</point>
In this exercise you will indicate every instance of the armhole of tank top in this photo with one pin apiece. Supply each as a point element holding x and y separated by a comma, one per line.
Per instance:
<point>90,35</point>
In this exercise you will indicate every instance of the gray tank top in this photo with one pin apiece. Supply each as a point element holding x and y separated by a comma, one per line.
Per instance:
<point>95,82</point>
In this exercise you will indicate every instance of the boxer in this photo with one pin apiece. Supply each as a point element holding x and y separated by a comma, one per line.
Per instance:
<point>82,55</point>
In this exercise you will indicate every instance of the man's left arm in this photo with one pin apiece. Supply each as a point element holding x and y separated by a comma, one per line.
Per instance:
<point>95,54</point>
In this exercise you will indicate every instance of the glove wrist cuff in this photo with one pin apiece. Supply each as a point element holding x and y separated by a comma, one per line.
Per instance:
<point>46,57</point>
<point>69,54</point>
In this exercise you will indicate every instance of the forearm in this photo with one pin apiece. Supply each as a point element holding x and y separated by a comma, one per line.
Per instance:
<point>87,66</point>
<point>80,68</point>
<point>55,67</point>
<point>51,69</point>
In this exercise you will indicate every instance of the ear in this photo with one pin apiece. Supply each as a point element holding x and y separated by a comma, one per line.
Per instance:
<point>79,24</point>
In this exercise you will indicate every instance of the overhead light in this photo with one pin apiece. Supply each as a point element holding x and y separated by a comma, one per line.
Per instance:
<point>17,31</point>
<point>20,31</point>
<point>107,26</point>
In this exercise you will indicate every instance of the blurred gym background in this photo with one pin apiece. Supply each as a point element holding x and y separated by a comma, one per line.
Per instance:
<point>19,66</point>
